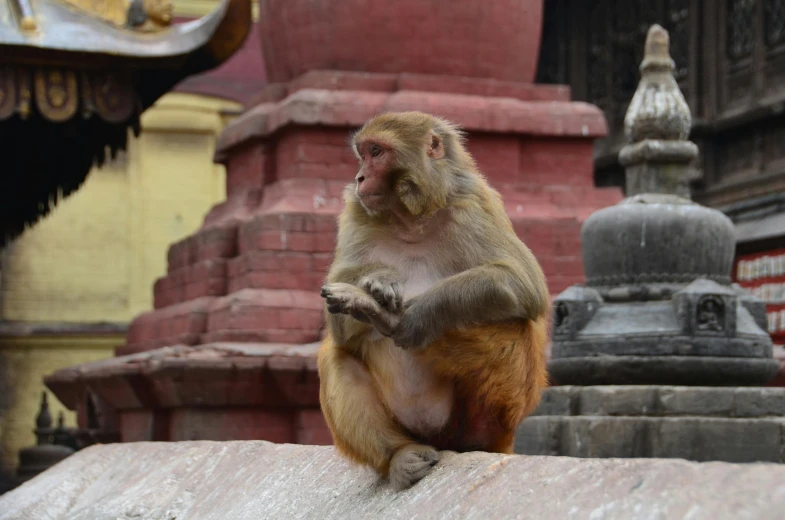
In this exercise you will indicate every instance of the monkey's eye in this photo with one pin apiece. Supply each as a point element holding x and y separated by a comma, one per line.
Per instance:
<point>376,151</point>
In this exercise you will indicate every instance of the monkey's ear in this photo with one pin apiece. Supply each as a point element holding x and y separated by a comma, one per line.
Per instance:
<point>435,145</point>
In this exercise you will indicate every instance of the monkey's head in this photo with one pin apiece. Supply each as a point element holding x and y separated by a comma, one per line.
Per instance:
<point>408,160</point>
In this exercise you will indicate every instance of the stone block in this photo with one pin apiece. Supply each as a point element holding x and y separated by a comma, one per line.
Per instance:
<point>663,401</point>
<point>232,424</point>
<point>616,400</point>
<point>483,87</point>
<point>559,400</point>
<point>245,170</point>
<point>566,162</point>
<point>666,370</point>
<point>697,423</point>
<point>572,309</point>
<point>729,440</point>
<point>706,308</point>
<point>539,435</point>
<point>759,402</point>
<point>755,306</point>
<point>136,425</point>
<point>266,315</point>
<point>179,254</point>
<point>603,437</point>
<point>181,321</point>
<point>696,401</point>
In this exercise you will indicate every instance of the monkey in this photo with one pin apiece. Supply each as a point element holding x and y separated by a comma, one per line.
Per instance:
<point>436,312</point>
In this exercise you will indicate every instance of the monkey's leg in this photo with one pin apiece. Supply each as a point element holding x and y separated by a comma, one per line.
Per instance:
<point>501,372</point>
<point>361,424</point>
<point>344,298</point>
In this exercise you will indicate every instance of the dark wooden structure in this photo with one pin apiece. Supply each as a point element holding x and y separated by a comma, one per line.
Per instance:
<point>75,75</point>
<point>730,65</point>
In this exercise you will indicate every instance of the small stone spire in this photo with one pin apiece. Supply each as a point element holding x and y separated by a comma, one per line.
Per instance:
<point>658,109</point>
<point>658,121</point>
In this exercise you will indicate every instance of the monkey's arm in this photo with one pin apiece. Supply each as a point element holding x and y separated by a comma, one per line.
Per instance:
<point>489,293</point>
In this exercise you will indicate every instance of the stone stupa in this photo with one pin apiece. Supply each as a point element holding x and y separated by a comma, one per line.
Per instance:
<point>659,310</point>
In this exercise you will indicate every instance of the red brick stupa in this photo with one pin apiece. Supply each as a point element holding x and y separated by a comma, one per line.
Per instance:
<point>229,350</point>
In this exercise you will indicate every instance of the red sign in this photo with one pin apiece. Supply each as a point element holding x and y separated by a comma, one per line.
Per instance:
<point>763,274</point>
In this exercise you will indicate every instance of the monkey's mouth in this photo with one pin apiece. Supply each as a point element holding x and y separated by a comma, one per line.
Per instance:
<point>373,197</point>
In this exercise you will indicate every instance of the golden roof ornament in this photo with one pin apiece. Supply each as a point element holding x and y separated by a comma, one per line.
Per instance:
<point>76,75</point>
<point>658,109</point>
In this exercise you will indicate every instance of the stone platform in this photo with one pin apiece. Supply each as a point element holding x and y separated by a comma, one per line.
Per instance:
<point>728,424</point>
<point>253,480</point>
<point>226,391</point>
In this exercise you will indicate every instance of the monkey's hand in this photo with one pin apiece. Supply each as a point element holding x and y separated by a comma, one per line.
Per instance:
<point>413,332</point>
<point>385,289</point>
<point>344,298</point>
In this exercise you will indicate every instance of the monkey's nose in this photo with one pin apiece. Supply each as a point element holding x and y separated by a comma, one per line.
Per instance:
<point>359,178</point>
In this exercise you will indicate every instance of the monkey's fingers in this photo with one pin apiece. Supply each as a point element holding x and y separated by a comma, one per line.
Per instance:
<point>387,294</point>
<point>344,298</point>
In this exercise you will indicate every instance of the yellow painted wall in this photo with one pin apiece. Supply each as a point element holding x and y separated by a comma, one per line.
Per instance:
<point>96,256</point>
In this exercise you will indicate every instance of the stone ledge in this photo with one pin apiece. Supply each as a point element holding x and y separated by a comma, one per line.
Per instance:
<point>563,119</point>
<point>663,401</point>
<point>212,374</point>
<point>692,438</point>
<point>665,370</point>
<point>239,480</point>
<point>390,82</point>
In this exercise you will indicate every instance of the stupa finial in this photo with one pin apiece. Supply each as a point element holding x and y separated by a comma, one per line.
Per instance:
<point>658,109</point>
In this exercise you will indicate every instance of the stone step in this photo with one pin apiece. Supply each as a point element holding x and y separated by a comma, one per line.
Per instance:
<point>663,401</point>
<point>691,438</point>
<point>732,424</point>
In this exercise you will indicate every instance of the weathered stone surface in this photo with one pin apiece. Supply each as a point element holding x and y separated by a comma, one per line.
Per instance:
<point>239,480</point>
<point>692,438</point>
<point>646,240</point>
<point>667,370</point>
<point>663,401</point>
<point>215,391</point>
<point>696,423</point>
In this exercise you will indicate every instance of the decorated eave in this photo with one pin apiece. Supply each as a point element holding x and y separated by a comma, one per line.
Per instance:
<point>75,33</point>
<point>76,74</point>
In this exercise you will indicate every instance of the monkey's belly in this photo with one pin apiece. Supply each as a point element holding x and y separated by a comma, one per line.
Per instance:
<point>420,401</point>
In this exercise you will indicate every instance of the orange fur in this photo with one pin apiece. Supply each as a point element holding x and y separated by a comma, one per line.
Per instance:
<point>498,370</point>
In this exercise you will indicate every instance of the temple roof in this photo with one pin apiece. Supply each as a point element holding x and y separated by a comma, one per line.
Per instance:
<point>76,74</point>
<point>61,28</point>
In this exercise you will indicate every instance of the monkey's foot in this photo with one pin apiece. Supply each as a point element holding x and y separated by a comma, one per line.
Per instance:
<point>386,292</point>
<point>344,298</point>
<point>411,463</point>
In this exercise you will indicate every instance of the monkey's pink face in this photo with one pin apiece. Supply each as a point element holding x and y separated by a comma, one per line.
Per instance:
<point>374,180</point>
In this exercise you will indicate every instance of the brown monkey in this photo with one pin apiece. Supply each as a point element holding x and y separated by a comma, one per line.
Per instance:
<point>436,322</point>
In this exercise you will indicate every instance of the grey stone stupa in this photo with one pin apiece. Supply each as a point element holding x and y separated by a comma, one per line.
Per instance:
<point>659,354</point>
